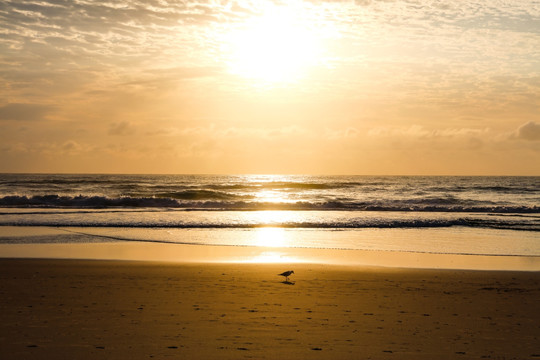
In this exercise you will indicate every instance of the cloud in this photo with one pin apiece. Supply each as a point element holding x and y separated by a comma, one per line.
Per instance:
<point>24,112</point>
<point>529,131</point>
<point>167,77</point>
<point>121,128</point>
<point>71,147</point>
<point>432,74</point>
<point>417,131</point>
<point>51,148</point>
<point>341,134</point>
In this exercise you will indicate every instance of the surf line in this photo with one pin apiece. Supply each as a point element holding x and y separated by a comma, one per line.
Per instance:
<point>117,238</point>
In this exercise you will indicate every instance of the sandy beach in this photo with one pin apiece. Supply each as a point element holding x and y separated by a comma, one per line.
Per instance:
<point>88,309</point>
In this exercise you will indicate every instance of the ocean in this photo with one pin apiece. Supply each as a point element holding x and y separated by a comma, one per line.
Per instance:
<point>497,216</point>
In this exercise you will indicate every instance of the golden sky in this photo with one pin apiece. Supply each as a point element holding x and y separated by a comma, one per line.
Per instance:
<point>319,87</point>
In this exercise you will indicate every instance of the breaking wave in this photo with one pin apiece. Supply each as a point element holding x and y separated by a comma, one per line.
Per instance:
<point>215,200</point>
<point>21,219</point>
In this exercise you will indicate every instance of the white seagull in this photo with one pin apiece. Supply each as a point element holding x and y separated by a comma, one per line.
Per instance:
<point>287,274</point>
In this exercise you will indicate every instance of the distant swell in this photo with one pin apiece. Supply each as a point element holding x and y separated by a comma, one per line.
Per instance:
<point>216,200</point>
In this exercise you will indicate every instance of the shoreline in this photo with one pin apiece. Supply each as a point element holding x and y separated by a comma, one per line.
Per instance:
<point>98,245</point>
<point>89,309</point>
<point>193,254</point>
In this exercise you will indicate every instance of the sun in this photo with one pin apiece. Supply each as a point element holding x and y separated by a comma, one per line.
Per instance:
<point>278,46</point>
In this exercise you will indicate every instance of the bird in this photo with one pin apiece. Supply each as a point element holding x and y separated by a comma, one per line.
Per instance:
<point>287,274</point>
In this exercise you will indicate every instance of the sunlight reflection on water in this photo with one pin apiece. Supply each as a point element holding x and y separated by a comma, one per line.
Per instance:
<point>271,237</point>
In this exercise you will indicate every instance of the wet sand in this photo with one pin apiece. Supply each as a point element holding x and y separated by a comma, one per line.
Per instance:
<point>88,309</point>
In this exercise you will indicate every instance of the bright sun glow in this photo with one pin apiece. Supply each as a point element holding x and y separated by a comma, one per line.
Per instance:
<point>275,47</point>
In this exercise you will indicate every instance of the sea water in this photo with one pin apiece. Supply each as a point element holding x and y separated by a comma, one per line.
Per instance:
<point>440,214</point>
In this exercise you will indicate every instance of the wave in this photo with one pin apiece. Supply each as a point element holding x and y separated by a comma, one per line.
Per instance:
<point>390,224</point>
<point>200,195</point>
<point>85,201</point>
<point>482,188</point>
<point>182,220</point>
<point>280,185</point>
<point>212,200</point>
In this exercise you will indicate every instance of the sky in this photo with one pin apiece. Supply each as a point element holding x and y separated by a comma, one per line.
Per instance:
<point>374,87</point>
